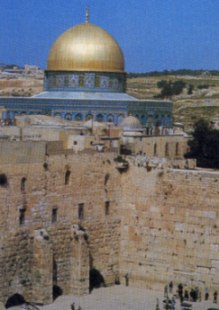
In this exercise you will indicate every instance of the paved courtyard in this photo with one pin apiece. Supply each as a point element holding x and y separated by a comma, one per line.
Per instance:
<point>119,298</point>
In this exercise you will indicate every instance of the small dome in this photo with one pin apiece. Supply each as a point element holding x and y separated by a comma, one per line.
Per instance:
<point>131,123</point>
<point>86,47</point>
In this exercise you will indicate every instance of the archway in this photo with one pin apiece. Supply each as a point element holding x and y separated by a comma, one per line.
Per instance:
<point>96,279</point>
<point>15,300</point>
<point>56,291</point>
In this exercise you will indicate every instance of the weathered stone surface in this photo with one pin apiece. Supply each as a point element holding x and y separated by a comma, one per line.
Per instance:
<point>80,212</point>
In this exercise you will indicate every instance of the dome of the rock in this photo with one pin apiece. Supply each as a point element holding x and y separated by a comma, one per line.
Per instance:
<point>86,47</point>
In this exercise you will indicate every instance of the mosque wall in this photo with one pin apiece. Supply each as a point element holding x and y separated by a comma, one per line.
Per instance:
<point>170,228</point>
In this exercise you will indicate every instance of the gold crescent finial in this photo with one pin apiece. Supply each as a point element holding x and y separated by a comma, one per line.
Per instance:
<point>87,15</point>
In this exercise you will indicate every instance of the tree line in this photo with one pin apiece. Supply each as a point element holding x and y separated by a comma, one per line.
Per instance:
<point>182,72</point>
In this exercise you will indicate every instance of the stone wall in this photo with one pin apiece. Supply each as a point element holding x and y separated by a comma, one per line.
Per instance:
<point>170,226</point>
<point>172,146</point>
<point>40,245</point>
<point>65,214</point>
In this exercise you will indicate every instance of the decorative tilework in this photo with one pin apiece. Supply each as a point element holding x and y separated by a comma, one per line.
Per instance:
<point>104,82</point>
<point>89,80</point>
<point>61,79</point>
<point>74,80</point>
<point>81,80</point>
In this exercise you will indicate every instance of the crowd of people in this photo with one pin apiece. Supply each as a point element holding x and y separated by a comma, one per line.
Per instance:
<point>184,294</point>
<point>73,307</point>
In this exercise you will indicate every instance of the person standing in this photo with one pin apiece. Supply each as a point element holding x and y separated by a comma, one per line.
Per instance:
<point>165,291</point>
<point>157,305</point>
<point>206,293</point>
<point>173,302</point>
<point>171,287</point>
<point>126,279</point>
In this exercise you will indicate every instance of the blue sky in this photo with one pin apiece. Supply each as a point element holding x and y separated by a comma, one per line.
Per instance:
<point>153,34</point>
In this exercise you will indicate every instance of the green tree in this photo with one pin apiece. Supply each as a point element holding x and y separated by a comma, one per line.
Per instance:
<point>204,145</point>
<point>177,87</point>
<point>169,88</point>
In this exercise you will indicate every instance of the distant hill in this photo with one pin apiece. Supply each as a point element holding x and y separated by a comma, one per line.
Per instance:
<point>10,66</point>
<point>198,98</point>
<point>182,72</point>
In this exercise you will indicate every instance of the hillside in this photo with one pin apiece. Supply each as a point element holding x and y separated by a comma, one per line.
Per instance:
<point>203,102</point>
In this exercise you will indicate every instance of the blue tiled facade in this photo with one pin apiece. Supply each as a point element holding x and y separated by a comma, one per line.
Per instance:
<point>84,81</point>
<point>80,96</point>
<point>149,112</point>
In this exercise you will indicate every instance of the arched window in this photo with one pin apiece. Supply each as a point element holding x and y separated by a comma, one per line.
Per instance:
<point>99,117</point>
<point>22,216</point>
<point>78,117</point>
<point>81,211</point>
<point>23,184</point>
<point>166,149</point>
<point>155,149</point>
<point>54,214</point>
<point>67,177</point>
<point>68,116</point>
<point>107,207</point>
<point>110,118</point>
<point>88,117</point>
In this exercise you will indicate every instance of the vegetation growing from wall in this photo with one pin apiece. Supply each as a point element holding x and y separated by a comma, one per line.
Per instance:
<point>204,145</point>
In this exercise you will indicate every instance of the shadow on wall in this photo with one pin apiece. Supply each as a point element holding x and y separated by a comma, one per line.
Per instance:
<point>15,300</point>
<point>96,279</point>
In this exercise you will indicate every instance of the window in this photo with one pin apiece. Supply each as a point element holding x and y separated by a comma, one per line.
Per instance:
<point>54,215</point>
<point>23,183</point>
<point>155,149</point>
<point>81,211</point>
<point>3,180</point>
<point>107,207</point>
<point>67,177</point>
<point>166,149</point>
<point>177,148</point>
<point>22,216</point>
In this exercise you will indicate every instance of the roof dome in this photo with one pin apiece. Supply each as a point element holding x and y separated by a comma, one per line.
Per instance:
<point>86,47</point>
<point>131,123</point>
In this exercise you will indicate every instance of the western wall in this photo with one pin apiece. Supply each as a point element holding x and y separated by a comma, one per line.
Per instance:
<point>64,214</point>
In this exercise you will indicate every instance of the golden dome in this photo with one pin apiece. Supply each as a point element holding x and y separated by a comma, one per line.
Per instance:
<point>86,47</point>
